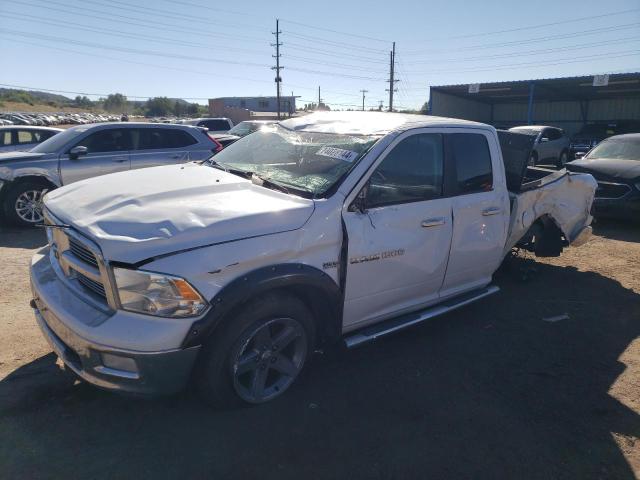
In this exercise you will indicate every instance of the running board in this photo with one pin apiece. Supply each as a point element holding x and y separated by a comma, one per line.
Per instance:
<point>393,325</point>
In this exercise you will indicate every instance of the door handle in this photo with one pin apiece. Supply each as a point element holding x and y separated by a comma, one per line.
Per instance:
<point>119,159</point>
<point>491,211</point>
<point>433,222</point>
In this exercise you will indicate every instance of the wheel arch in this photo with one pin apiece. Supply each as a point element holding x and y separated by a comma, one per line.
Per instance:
<point>317,290</point>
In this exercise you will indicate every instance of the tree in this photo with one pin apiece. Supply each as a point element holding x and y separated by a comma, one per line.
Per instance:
<point>83,101</point>
<point>425,108</point>
<point>115,102</point>
<point>159,107</point>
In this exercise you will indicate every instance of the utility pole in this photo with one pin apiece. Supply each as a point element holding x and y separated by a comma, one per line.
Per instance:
<point>363,92</point>
<point>319,99</point>
<point>277,68</point>
<point>392,81</point>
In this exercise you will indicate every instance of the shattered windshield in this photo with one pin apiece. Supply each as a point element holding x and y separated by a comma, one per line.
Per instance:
<point>303,161</point>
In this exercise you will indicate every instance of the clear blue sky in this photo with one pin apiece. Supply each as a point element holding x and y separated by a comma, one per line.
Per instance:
<point>188,49</point>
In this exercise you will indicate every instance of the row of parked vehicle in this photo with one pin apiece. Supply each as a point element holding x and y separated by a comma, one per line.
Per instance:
<point>46,119</point>
<point>552,145</point>
<point>82,152</point>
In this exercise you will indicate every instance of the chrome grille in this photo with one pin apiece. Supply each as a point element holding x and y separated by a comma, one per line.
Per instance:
<point>95,287</point>
<point>82,252</point>
<point>612,190</point>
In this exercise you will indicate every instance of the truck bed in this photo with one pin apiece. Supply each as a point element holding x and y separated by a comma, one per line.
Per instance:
<point>535,193</point>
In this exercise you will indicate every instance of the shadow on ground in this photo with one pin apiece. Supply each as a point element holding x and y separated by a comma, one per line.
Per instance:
<point>625,231</point>
<point>15,237</point>
<point>490,391</point>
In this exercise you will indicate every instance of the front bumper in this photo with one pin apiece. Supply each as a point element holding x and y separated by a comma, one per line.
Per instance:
<point>141,372</point>
<point>625,208</point>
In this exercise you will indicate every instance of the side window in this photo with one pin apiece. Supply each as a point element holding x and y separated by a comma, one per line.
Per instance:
<point>179,138</point>
<point>411,172</point>
<point>472,160</point>
<point>554,134</point>
<point>151,138</point>
<point>5,138</point>
<point>25,136</point>
<point>108,140</point>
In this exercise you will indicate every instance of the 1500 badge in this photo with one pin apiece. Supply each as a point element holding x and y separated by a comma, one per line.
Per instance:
<point>377,256</point>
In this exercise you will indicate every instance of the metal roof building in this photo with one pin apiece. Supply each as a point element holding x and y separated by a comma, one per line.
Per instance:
<point>567,103</point>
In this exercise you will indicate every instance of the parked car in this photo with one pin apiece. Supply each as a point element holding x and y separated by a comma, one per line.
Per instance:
<point>592,134</point>
<point>24,138</point>
<point>335,226</point>
<point>240,130</point>
<point>88,151</point>
<point>615,163</point>
<point>215,125</point>
<point>551,144</point>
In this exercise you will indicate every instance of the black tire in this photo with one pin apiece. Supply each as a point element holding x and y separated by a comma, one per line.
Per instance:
<point>22,191</point>
<point>217,374</point>
<point>563,159</point>
<point>533,159</point>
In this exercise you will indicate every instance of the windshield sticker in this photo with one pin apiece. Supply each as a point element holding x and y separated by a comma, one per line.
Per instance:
<point>338,153</point>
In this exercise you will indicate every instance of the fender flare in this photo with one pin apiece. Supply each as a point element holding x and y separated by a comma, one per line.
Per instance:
<point>314,287</point>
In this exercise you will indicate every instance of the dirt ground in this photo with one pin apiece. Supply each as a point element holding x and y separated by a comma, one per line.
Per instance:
<point>490,391</point>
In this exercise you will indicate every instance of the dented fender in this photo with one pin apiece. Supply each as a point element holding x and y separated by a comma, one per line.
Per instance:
<point>566,200</point>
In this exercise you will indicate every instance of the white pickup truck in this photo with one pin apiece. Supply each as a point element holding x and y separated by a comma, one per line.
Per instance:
<point>329,226</point>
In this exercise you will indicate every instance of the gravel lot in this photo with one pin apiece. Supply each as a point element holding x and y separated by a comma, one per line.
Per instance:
<point>490,391</point>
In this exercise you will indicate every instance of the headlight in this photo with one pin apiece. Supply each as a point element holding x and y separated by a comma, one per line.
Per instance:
<point>157,294</point>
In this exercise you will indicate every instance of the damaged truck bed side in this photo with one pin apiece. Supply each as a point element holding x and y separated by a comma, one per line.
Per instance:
<point>332,226</point>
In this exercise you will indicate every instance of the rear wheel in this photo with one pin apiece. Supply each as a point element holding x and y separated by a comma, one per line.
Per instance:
<point>23,204</point>
<point>259,354</point>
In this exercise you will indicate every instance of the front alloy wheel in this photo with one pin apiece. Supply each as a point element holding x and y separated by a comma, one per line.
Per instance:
<point>28,206</point>
<point>268,359</point>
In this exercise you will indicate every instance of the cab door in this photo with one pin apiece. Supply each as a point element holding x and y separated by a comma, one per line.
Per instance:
<point>399,231</point>
<point>481,210</point>
<point>107,152</point>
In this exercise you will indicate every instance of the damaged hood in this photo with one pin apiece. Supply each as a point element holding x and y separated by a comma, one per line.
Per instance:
<point>607,169</point>
<point>145,213</point>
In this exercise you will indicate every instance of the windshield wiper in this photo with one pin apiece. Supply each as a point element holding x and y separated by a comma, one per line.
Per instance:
<point>268,183</point>
<point>225,168</point>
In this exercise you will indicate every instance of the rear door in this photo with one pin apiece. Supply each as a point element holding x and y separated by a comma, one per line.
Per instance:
<point>480,204</point>
<point>398,248</point>
<point>108,152</point>
<point>160,146</point>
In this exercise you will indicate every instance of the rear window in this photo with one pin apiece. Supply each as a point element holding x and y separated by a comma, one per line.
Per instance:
<point>472,160</point>
<point>215,125</point>
<point>25,136</point>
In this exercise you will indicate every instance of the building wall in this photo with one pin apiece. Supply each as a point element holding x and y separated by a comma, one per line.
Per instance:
<point>565,114</point>
<point>445,105</point>
<point>260,104</point>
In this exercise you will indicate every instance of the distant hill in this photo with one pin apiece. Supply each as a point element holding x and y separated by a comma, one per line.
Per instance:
<point>43,97</point>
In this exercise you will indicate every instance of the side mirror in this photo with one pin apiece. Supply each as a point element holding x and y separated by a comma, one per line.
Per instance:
<point>359,203</point>
<point>78,151</point>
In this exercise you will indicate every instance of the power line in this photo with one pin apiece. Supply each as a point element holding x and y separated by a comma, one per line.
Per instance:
<point>334,43</point>
<point>124,34</point>
<point>364,37</point>
<point>613,28</point>
<point>526,52</point>
<point>541,25</point>
<point>122,19</point>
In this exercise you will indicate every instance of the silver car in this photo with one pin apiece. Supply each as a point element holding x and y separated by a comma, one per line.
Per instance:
<point>551,145</point>
<point>88,151</point>
<point>24,138</point>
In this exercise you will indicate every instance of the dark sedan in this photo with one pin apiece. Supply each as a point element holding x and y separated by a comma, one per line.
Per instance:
<point>615,164</point>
